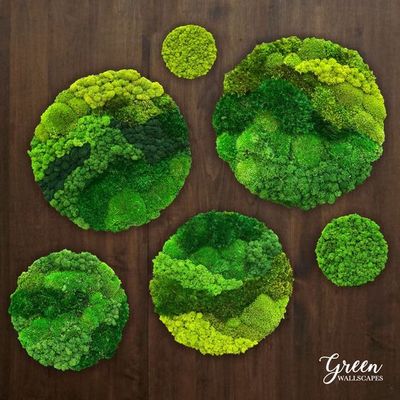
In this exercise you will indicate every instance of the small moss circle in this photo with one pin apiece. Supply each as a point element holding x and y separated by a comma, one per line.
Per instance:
<point>351,251</point>
<point>300,121</point>
<point>221,283</point>
<point>69,310</point>
<point>112,151</point>
<point>189,51</point>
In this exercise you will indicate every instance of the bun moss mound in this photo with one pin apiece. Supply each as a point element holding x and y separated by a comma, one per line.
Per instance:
<point>351,251</point>
<point>189,51</point>
<point>221,283</point>
<point>112,151</point>
<point>300,121</point>
<point>69,310</point>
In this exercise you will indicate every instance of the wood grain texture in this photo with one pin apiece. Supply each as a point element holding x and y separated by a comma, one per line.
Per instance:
<point>47,44</point>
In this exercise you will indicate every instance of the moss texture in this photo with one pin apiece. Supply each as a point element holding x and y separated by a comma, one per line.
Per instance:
<point>112,151</point>
<point>189,51</point>
<point>69,310</point>
<point>351,250</point>
<point>221,283</point>
<point>300,122</point>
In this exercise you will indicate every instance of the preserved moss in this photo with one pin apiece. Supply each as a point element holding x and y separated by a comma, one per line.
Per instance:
<point>351,251</point>
<point>112,151</point>
<point>221,283</point>
<point>69,310</point>
<point>300,122</point>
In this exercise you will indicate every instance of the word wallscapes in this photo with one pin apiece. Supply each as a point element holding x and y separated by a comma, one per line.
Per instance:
<point>358,371</point>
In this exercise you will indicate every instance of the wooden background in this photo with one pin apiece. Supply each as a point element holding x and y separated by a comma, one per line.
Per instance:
<point>47,44</point>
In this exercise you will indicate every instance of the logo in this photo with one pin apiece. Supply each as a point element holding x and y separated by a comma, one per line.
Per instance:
<point>357,371</point>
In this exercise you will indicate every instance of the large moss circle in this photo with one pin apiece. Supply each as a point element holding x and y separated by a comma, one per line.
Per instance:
<point>221,283</point>
<point>300,122</point>
<point>112,151</point>
<point>189,51</point>
<point>351,250</point>
<point>69,310</point>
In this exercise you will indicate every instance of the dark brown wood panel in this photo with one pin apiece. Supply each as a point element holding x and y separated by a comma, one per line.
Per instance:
<point>47,44</point>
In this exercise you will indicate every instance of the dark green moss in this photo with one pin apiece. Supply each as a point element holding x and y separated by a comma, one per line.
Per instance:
<point>158,138</point>
<point>59,169</point>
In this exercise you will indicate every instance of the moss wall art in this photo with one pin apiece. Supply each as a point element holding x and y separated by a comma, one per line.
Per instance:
<point>189,51</point>
<point>112,151</point>
<point>300,122</point>
<point>221,283</point>
<point>69,310</point>
<point>351,251</point>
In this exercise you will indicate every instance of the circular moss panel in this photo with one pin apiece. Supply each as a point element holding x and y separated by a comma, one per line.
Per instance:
<point>300,122</point>
<point>189,51</point>
<point>69,310</point>
<point>221,283</point>
<point>351,251</point>
<point>112,151</point>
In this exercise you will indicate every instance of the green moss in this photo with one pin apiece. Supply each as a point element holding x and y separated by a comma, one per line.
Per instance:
<point>257,320</point>
<point>189,51</point>
<point>349,95</point>
<point>69,310</point>
<point>226,147</point>
<point>351,250</point>
<point>59,169</point>
<point>128,194</point>
<point>300,122</point>
<point>57,119</point>
<point>217,268</point>
<point>312,48</point>
<point>367,125</point>
<point>375,106</point>
<point>112,151</point>
<point>125,208</point>
<point>40,133</point>
<point>308,150</point>
<point>193,330</point>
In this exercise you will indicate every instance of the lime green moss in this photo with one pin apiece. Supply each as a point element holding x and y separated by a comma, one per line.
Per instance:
<point>112,151</point>
<point>57,119</point>
<point>69,310</point>
<point>300,122</point>
<point>351,250</point>
<point>221,283</point>
<point>189,51</point>
<point>193,330</point>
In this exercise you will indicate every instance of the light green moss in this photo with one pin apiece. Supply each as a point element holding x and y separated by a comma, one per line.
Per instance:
<point>193,330</point>
<point>189,51</point>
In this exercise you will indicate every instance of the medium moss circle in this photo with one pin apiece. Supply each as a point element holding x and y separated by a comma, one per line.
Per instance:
<point>300,122</point>
<point>351,251</point>
<point>221,283</point>
<point>112,151</point>
<point>189,51</point>
<point>69,310</point>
